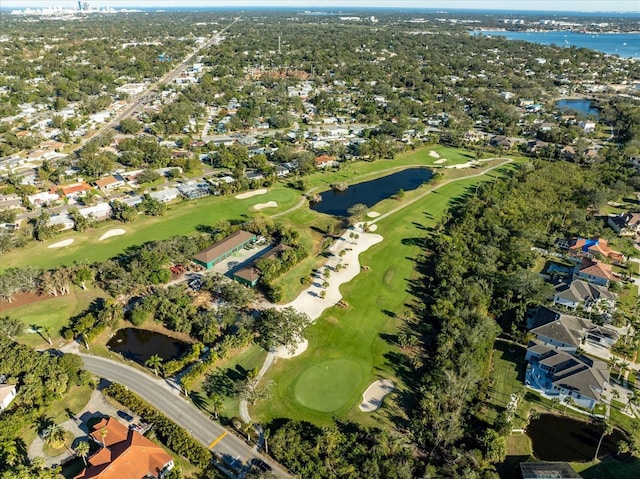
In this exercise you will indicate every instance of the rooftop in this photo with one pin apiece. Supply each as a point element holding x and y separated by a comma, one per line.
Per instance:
<point>218,249</point>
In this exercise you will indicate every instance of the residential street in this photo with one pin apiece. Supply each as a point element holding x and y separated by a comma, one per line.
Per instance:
<point>162,395</point>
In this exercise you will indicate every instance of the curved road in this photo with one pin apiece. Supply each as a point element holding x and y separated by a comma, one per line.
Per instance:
<point>166,398</point>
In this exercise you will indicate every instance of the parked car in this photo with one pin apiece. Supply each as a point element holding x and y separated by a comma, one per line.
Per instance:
<point>125,415</point>
<point>260,464</point>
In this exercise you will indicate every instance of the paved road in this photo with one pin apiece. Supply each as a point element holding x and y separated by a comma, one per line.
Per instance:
<point>166,398</point>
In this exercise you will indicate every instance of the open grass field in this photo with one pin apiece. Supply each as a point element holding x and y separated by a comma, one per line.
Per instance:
<point>356,343</point>
<point>52,314</point>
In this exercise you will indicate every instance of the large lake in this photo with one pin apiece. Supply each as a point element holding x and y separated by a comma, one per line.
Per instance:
<point>623,44</point>
<point>371,192</point>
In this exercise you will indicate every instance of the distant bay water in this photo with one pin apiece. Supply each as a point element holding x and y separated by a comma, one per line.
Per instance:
<point>626,45</point>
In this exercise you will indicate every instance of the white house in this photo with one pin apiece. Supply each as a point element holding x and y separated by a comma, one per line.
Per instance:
<point>43,198</point>
<point>166,195</point>
<point>7,394</point>
<point>98,212</point>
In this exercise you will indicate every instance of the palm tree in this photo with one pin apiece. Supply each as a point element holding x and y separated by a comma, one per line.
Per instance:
<point>53,436</point>
<point>216,405</point>
<point>9,452</point>
<point>154,363</point>
<point>103,435</point>
<point>82,450</point>
<point>607,429</point>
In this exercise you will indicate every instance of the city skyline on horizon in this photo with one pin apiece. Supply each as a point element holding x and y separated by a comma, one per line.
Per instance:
<point>514,5</point>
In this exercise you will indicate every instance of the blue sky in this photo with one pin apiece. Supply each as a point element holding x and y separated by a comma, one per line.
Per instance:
<point>550,5</point>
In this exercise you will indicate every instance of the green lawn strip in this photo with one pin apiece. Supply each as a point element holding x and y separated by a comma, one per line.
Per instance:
<point>52,313</point>
<point>247,359</point>
<point>354,334</point>
<point>607,469</point>
<point>182,218</point>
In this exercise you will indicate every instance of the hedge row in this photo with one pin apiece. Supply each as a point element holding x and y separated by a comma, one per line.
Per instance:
<point>173,436</point>
<point>175,365</point>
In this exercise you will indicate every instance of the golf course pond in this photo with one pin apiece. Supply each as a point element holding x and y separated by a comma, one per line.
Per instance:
<point>337,203</point>
<point>140,344</point>
<point>556,438</point>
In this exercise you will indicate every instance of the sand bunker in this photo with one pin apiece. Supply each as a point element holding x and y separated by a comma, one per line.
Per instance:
<point>373,396</point>
<point>269,204</point>
<point>372,228</point>
<point>434,154</point>
<point>110,233</point>
<point>373,214</point>
<point>440,161</point>
<point>284,352</point>
<point>249,194</point>
<point>61,244</point>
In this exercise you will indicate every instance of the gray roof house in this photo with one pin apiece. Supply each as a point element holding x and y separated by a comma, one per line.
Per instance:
<point>561,374</point>
<point>627,224</point>
<point>585,294</point>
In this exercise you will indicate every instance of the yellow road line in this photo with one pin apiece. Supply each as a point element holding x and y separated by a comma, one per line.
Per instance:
<point>218,439</point>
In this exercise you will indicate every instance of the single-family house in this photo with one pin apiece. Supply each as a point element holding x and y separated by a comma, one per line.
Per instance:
<point>43,198</point>
<point>595,272</point>
<point>124,453</point>
<point>584,294</point>
<point>561,331</point>
<point>252,175</point>
<point>587,126</point>
<point>131,201</point>
<point>61,222</point>
<point>10,202</point>
<point>166,195</point>
<point>98,212</point>
<point>561,374</point>
<point>324,161</point>
<point>224,248</point>
<point>7,394</point>
<point>110,182</point>
<point>591,248</point>
<point>281,171</point>
<point>75,190</point>
<point>193,191</point>
<point>626,224</point>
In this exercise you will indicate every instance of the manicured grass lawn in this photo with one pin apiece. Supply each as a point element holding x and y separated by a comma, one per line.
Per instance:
<point>608,469</point>
<point>181,219</point>
<point>362,333</point>
<point>53,313</point>
<point>245,360</point>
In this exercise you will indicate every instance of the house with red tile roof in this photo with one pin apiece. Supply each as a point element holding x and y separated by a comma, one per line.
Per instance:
<point>596,272</point>
<point>324,160</point>
<point>75,190</point>
<point>591,248</point>
<point>124,454</point>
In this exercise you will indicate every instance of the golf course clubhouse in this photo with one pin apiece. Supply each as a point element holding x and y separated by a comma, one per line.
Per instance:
<point>224,248</point>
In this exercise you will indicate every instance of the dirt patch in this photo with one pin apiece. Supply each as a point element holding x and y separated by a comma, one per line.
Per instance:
<point>249,194</point>
<point>22,299</point>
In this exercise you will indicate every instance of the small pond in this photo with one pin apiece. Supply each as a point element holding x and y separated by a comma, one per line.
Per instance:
<point>140,344</point>
<point>556,438</point>
<point>580,106</point>
<point>371,192</point>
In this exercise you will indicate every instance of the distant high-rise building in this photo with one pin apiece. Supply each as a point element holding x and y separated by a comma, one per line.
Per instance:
<point>85,6</point>
<point>79,5</point>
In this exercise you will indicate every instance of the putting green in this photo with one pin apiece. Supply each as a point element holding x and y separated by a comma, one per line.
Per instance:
<point>329,385</point>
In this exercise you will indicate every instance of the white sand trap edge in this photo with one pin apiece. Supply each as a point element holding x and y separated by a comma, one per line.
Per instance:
<point>269,204</point>
<point>113,232</point>
<point>61,244</point>
<point>373,214</point>
<point>372,228</point>
<point>434,154</point>
<point>375,393</point>
<point>440,161</point>
<point>285,353</point>
<point>249,194</point>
